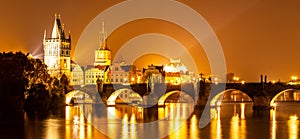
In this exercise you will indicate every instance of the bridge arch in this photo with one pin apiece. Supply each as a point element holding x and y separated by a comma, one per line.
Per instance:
<point>272,103</point>
<point>162,99</point>
<point>79,96</point>
<point>218,99</point>
<point>127,95</point>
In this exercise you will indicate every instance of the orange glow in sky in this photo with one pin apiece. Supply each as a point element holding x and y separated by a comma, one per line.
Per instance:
<point>257,37</point>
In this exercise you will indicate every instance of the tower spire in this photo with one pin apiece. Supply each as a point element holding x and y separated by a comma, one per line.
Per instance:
<point>45,34</point>
<point>55,30</point>
<point>103,38</point>
<point>44,39</point>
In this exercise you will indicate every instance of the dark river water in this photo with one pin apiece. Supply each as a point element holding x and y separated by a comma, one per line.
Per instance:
<point>231,120</point>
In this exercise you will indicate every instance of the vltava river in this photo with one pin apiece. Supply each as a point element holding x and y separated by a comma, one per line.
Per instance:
<point>231,120</point>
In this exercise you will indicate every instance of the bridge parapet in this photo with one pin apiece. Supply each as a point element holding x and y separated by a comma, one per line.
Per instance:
<point>161,88</point>
<point>108,89</point>
<point>88,88</point>
<point>260,93</point>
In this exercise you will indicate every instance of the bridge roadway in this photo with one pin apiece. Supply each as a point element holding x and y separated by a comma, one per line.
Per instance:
<point>260,93</point>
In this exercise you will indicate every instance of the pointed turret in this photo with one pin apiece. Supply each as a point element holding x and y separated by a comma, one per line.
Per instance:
<point>55,30</point>
<point>44,34</point>
<point>58,28</point>
<point>44,39</point>
<point>103,38</point>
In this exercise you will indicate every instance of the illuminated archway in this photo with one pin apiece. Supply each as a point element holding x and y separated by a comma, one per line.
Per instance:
<point>272,103</point>
<point>218,99</point>
<point>162,99</point>
<point>76,94</point>
<point>128,95</point>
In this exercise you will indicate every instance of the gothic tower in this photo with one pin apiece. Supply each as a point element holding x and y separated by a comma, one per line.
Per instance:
<point>103,54</point>
<point>57,50</point>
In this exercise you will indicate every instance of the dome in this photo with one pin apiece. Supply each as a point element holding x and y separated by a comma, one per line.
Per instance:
<point>175,66</point>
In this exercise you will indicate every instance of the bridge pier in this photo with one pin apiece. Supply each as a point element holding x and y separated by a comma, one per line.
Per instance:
<point>261,103</point>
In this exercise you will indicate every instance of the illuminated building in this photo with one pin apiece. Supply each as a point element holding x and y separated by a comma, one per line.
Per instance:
<point>57,50</point>
<point>122,73</point>
<point>103,54</point>
<point>92,74</point>
<point>77,74</point>
<point>176,72</point>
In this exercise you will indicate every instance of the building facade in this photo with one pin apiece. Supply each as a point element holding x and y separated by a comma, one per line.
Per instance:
<point>122,73</point>
<point>92,74</point>
<point>176,73</point>
<point>77,75</point>
<point>57,50</point>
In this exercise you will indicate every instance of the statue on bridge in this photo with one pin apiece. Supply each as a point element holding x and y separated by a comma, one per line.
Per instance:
<point>99,85</point>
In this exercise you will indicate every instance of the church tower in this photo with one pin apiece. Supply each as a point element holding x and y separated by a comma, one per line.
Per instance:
<point>57,50</point>
<point>102,54</point>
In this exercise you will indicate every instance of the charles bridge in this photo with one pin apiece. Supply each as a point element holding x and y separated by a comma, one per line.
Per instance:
<point>262,94</point>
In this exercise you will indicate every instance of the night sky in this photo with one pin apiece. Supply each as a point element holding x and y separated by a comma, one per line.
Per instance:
<point>257,36</point>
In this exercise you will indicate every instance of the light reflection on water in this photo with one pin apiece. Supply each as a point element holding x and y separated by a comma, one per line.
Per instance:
<point>231,120</point>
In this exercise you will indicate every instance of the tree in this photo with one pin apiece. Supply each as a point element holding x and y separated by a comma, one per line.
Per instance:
<point>28,79</point>
<point>38,99</point>
<point>13,84</point>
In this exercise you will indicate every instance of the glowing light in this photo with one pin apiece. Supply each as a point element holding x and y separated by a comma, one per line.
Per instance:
<point>293,117</point>
<point>52,61</point>
<point>242,110</point>
<point>293,126</point>
<point>243,82</point>
<point>273,128</point>
<point>52,131</point>
<point>216,123</point>
<point>132,119</point>
<point>76,120</point>
<point>236,78</point>
<point>294,78</point>
<point>194,125</point>
<point>235,128</point>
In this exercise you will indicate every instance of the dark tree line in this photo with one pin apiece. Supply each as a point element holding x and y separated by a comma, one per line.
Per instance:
<point>27,78</point>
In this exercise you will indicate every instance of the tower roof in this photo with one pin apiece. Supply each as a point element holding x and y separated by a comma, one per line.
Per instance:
<point>58,30</point>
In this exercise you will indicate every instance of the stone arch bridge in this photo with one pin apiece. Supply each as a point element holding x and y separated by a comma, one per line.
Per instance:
<point>260,93</point>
